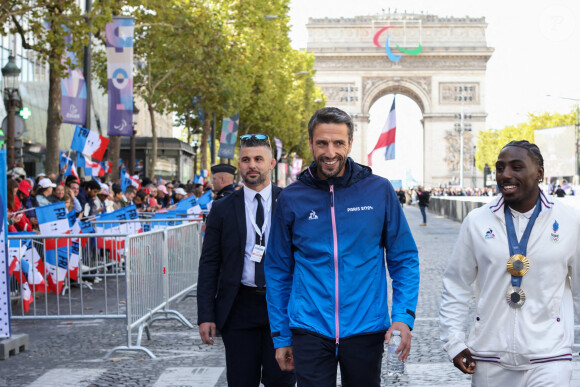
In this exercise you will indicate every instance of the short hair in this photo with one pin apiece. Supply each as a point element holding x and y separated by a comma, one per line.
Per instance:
<point>93,184</point>
<point>254,142</point>
<point>141,194</point>
<point>330,115</point>
<point>131,189</point>
<point>533,150</point>
<point>117,189</point>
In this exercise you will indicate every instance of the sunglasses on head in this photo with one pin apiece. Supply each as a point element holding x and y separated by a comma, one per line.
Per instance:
<point>261,137</point>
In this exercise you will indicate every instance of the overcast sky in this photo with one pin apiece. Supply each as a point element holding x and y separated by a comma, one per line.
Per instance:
<point>537,52</point>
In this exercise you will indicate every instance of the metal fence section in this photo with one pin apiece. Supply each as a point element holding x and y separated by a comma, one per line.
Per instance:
<point>43,287</point>
<point>132,277</point>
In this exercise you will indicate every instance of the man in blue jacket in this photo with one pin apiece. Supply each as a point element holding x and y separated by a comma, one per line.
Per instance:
<point>334,234</point>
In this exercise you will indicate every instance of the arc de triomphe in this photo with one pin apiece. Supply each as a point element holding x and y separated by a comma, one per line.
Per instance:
<point>439,63</point>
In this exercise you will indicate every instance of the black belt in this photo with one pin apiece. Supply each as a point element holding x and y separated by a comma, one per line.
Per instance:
<point>252,289</point>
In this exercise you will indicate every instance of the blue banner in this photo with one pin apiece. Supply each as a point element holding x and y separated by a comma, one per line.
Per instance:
<point>4,282</point>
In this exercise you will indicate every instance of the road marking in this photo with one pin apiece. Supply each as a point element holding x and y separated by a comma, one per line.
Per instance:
<point>62,377</point>
<point>189,376</point>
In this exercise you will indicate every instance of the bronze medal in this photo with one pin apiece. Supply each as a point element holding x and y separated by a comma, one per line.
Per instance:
<point>515,297</point>
<point>518,265</point>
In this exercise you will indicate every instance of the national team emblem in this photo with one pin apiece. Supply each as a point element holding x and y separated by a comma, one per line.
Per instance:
<point>313,215</point>
<point>555,235</point>
<point>489,234</point>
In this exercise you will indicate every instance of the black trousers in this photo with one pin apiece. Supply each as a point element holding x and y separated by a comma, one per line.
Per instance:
<point>250,354</point>
<point>316,359</point>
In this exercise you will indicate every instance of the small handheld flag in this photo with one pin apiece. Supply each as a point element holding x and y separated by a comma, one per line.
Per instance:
<point>89,143</point>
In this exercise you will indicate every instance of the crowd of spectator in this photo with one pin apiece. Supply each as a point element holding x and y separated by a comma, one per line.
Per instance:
<point>90,197</point>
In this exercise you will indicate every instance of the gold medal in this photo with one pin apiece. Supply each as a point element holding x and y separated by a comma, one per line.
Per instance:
<point>515,297</point>
<point>518,265</point>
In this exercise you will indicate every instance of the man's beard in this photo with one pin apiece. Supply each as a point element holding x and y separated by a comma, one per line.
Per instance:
<point>341,162</point>
<point>260,179</point>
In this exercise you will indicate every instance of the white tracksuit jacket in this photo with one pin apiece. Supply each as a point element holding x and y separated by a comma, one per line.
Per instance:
<point>542,330</point>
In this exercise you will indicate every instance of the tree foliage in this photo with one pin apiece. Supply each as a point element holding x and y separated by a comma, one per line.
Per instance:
<point>43,26</point>
<point>490,142</point>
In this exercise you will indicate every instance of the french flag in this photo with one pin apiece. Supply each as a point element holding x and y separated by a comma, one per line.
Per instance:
<point>387,137</point>
<point>92,168</point>
<point>53,220</point>
<point>107,166</point>
<point>71,168</point>
<point>127,180</point>
<point>89,143</point>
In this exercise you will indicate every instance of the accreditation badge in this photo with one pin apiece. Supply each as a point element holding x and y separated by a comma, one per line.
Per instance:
<point>258,253</point>
<point>518,265</point>
<point>515,297</point>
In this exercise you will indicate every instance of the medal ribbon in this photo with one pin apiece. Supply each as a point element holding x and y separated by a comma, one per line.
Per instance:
<point>521,246</point>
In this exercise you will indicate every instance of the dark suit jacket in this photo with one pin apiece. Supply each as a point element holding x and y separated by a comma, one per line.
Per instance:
<point>222,257</point>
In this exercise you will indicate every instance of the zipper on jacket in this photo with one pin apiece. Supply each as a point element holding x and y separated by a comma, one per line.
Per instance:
<point>335,239</point>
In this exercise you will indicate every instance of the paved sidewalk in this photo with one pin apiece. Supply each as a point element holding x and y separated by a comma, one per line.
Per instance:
<point>70,352</point>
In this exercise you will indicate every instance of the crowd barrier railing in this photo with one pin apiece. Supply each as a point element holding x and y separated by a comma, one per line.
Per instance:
<point>48,265</point>
<point>140,275</point>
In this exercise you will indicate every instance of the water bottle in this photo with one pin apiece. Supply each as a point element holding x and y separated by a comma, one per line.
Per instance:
<point>395,367</point>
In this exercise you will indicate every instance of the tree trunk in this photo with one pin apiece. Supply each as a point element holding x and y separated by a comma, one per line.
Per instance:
<point>114,156</point>
<point>151,172</point>
<point>53,123</point>
<point>206,129</point>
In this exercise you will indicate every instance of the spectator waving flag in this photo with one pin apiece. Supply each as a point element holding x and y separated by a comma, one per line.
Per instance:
<point>92,168</point>
<point>89,143</point>
<point>387,138</point>
<point>205,200</point>
<point>127,180</point>
<point>52,220</point>
<point>71,168</point>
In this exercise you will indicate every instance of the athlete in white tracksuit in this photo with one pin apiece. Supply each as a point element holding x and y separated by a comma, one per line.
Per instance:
<point>530,345</point>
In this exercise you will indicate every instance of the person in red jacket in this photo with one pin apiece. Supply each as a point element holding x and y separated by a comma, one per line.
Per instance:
<point>17,221</point>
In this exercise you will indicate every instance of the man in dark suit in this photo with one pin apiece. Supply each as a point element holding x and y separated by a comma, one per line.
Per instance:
<point>231,290</point>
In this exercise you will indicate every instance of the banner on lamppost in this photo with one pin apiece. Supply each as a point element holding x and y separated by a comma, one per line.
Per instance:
<point>229,136</point>
<point>73,103</point>
<point>4,282</point>
<point>119,35</point>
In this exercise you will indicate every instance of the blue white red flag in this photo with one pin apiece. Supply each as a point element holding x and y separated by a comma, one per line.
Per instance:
<point>127,180</point>
<point>107,166</point>
<point>198,179</point>
<point>387,138</point>
<point>92,168</point>
<point>133,227</point>
<point>27,267</point>
<point>71,168</point>
<point>53,220</point>
<point>89,143</point>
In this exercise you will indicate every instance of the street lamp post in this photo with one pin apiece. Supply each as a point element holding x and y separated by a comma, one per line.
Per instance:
<point>576,132</point>
<point>12,101</point>
<point>462,127</point>
<point>195,150</point>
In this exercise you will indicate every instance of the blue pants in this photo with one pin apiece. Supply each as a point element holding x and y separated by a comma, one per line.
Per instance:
<point>316,359</point>
<point>423,213</point>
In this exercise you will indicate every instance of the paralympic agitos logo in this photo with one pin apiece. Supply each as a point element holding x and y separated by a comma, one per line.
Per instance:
<point>393,57</point>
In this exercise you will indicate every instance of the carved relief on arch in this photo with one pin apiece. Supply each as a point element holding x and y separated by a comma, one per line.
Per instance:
<point>416,88</point>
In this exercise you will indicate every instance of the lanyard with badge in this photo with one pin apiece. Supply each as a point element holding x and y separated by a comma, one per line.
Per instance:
<point>518,264</point>
<point>259,247</point>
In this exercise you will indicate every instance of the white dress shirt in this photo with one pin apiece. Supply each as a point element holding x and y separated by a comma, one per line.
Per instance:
<point>251,205</point>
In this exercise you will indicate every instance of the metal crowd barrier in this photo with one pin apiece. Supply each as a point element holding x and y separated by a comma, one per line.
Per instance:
<point>139,276</point>
<point>161,266</point>
<point>44,301</point>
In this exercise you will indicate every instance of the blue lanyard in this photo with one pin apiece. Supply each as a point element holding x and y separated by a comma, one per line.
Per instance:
<point>521,246</point>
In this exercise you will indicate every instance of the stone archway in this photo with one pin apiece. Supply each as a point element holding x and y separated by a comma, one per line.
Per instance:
<point>354,74</point>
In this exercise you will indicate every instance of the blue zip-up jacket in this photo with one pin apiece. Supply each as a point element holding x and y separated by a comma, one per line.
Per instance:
<point>325,262</point>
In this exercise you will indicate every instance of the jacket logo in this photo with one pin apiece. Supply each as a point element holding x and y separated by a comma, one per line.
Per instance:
<point>313,215</point>
<point>555,235</point>
<point>362,208</point>
<point>489,234</point>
